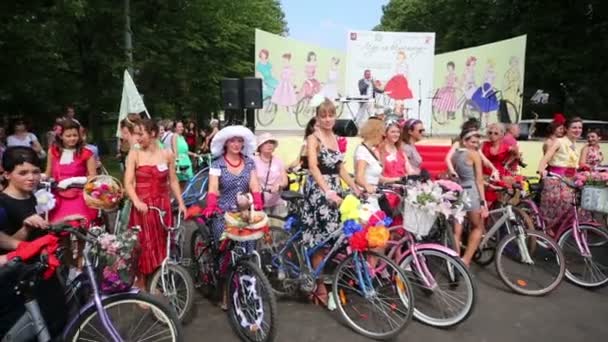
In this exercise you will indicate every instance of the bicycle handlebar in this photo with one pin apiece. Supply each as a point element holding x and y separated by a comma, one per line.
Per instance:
<point>17,268</point>
<point>161,216</point>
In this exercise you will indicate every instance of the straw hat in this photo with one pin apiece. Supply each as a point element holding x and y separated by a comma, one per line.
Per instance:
<point>227,133</point>
<point>266,137</point>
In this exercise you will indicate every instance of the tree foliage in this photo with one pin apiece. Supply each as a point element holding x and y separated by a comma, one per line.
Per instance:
<point>567,40</point>
<point>56,52</point>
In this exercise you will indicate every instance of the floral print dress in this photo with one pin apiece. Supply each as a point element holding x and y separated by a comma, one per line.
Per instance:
<point>320,216</point>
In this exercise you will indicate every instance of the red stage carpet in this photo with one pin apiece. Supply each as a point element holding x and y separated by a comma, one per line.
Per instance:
<point>433,158</point>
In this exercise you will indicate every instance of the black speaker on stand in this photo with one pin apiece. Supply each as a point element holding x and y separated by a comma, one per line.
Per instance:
<point>346,128</point>
<point>252,99</point>
<point>231,93</point>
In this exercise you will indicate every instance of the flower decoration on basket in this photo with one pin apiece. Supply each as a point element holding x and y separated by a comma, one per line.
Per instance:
<point>103,192</point>
<point>595,179</point>
<point>364,230</point>
<point>594,196</point>
<point>117,257</point>
<point>45,201</point>
<point>246,224</point>
<point>424,201</point>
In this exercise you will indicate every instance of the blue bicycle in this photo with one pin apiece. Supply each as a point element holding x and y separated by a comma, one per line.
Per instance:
<point>195,191</point>
<point>375,305</point>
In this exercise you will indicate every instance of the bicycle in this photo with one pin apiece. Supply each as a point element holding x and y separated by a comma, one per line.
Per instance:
<point>95,319</point>
<point>517,246</point>
<point>507,111</point>
<point>172,279</point>
<point>266,115</point>
<point>252,306</point>
<point>289,266</point>
<point>584,245</point>
<point>443,286</point>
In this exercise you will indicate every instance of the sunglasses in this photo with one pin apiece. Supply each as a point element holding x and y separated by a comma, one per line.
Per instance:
<point>493,133</point>
<point>422,130</point>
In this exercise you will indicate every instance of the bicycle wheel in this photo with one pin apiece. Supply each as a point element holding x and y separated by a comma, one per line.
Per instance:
<point>175,284</point>
<point>252,306</point>
<point>388,295</point>
<point>280,268</point>
<point>204,276</point>
<point>470,110</point>
<point>135,316</point>
<point>447,297</point>
<point>304,112</point>
<point>266,115</point>
<point>439,117</point>
<point>532,213</point>
<point>537,261</point>
<point>588,270</point>
<point>512,112</point>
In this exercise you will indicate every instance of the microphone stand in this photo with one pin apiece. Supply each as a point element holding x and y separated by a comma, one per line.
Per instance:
<point>419,97</point>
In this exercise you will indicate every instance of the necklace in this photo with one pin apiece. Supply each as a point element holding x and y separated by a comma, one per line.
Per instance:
<point>236,165</point>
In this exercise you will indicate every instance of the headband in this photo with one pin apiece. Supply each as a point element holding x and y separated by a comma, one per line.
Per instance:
<point>409,123</point>
<point>470,134</point>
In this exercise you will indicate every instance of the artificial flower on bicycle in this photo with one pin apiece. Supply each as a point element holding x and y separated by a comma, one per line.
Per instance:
<point>117,257</point>
<point>364,227</point>
<point>588,178</point>
<point>103,192</point>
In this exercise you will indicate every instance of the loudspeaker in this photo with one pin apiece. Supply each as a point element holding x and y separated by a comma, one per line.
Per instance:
<point>252,93</point>
<point>231,93</point>
<point>346,128</point>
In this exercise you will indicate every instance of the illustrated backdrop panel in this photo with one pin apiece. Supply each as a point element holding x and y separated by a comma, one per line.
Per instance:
<point>293,72</point>
<point>401,69</point>
<point>472,81</point>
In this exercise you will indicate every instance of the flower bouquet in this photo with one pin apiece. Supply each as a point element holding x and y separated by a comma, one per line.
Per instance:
<point>424,201</point>
<point>117,257</point>
<point>103,192</point>
<point>594,196</point>
<point>362,229</point>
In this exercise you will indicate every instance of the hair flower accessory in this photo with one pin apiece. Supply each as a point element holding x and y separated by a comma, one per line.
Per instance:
<point>316,100</point>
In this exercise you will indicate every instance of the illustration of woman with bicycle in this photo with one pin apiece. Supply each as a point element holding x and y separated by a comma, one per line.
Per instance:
<point>263,70</point>
<point>285,94</point>
<point>485,95</point>
<point>446,101</point>
<point>397,87</point>
<point>311,85</point>
<point>468,78</point>
<point>512,82</point>
<point>330,88</point>
<point>150,177</point>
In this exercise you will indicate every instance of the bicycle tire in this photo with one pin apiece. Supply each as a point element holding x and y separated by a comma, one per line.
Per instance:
<point>406,288</point>
<point>267,253</point>
<point>437,116</point>
<point>569,255</point>
<point>470,110</point>
<point>268,113</point>
<point>267,293</point>
<point>145,303</point>
<point>512,112</point>
<point>186,312</point>
<point>204,262</point>
<point>463,277</point>
<point>303,112</point>
<point>189,227</point>
<point>520,284</point>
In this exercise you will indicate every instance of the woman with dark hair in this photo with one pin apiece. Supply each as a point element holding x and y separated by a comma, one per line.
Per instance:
<point>22,137</point>
<point>591,154</point>
<point>19,222</point>
<point>70,162</point>
<point>191,135</point>
<point>562,158</point>
<point>468,166</point>
<point>302,160</point>
<point>149,178</point>
<point>555,131</point>
<point>412,132</point>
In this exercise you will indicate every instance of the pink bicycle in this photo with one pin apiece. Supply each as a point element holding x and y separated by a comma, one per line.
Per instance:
<point>443,286</point>
<point>584,244</point>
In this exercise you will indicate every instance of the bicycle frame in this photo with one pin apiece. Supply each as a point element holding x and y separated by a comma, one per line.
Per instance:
<point>507,217</point>
<point>172,245</point>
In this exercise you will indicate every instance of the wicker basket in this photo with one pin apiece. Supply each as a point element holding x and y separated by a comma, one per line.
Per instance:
<point>595,199</point>
<point>418,221</point>
<point>102,202</point>
<point>238,229</point>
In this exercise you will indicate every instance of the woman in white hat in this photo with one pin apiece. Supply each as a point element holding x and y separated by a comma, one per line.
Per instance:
<point>271,175</point>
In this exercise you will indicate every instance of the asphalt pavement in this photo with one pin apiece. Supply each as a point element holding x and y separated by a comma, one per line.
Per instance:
<point>567,314</point>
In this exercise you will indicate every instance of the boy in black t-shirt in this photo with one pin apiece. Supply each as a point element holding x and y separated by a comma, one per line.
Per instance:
<point>19,222</point>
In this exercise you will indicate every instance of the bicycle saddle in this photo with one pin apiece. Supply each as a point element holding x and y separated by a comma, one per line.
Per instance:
<point>291,196</point>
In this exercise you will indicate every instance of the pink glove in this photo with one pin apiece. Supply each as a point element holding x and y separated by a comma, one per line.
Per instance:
<point>258,203</point>
<point>211,207</point>
<point>342,144</point>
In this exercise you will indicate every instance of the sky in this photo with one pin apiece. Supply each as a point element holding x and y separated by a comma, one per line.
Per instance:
<point>326,22</point>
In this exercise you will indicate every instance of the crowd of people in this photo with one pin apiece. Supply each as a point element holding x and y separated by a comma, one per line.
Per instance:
<point>157,161</point>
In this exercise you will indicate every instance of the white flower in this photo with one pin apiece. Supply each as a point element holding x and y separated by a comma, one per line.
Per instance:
<point>45,201</point>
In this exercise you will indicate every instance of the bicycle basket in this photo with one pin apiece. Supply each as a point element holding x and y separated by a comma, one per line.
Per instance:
<point>103,192</point>
<point>595,199</point>
<point>117,257</point>
<point>240,228</point>
<point>418,221</point>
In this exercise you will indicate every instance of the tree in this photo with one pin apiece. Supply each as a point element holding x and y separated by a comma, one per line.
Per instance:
<point>566,39</point>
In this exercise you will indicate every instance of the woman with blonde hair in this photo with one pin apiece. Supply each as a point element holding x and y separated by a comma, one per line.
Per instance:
<point>368,167</point>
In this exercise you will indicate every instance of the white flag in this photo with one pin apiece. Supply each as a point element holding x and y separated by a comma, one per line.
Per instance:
<point>131,101</point>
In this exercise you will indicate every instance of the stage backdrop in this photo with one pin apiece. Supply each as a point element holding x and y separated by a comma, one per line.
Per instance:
<point>293,72</point>
<point>466,82</point>
<point>401,65</point>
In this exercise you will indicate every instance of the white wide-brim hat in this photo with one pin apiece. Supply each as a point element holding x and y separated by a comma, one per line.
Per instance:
<point>226,133</point>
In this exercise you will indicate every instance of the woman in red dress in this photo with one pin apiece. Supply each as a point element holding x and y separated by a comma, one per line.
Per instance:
<point>149,174</point>
<point>499,153</point>
<point>395,164</point>
<point>191,135</point>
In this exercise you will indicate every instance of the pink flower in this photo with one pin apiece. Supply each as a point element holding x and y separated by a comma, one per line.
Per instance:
<point>342,143</point>
<point>104,187</point>
<point>95,194</point>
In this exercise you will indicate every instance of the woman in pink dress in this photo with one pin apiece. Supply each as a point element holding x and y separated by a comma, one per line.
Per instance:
<point>394,162</point>
<point>311,85</point>
<point>285,94</point>
<point>69,161</point>
<point>397,87</point>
